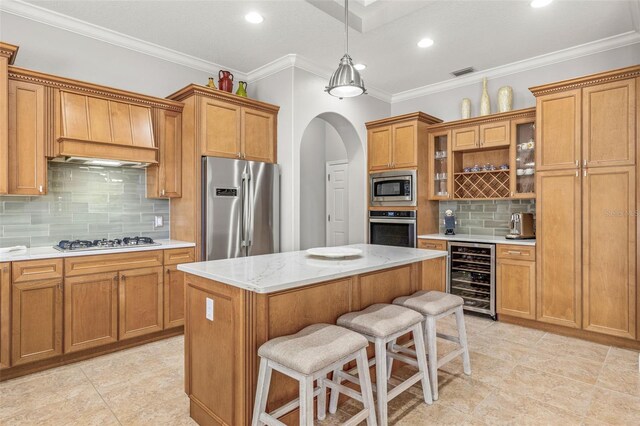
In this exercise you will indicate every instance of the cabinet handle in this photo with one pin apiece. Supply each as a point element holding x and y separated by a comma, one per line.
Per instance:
<point>576,173</point>
<point>584,173</point>
<point>512,193</point>
<point>162,192</point>
<point>168,271</point>
<point>514,252</point>
<point>577,164</point>
<point>124,277</point>
<point>239,155</point>
<point>40,189</point>
<point>60,286</point>
<point>584,163</point>
<point>115,277</point>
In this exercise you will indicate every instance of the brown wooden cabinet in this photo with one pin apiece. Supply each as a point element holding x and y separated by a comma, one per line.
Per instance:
<point>404,145</point>
<point>379,143</point>
<point>36,320</point>
<point>173,297</point>
<point>26,142</point>
<point>432,244</point>
<point>91,311</point>
<point>7,56</point>
<point>5,315</point>
<point>558,131</point>
<point>465,138</point>
<point>516,281</point>
<point>495,134</point>
<point>140,302</point>
<point>258,135</point>
<point>164,180</point>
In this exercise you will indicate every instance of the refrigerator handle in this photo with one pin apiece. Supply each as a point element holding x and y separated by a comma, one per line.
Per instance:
<point>245,210</point>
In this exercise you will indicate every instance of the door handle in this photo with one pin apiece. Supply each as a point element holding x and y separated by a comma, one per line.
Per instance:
<point>245,209</point>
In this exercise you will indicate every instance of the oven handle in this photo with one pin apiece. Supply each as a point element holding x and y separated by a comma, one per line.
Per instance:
<point>404,221</point>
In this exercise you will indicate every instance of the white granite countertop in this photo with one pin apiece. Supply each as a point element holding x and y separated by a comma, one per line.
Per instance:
<point>50,252</point>
<point>478,239</point>
<point>280,271</point>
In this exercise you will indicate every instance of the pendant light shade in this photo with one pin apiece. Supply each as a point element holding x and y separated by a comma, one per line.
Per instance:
<point>346,81</point>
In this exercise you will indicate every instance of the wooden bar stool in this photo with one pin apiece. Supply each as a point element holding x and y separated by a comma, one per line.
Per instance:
<point>310,355</point>
<point>434,305</point>
<point>381,324</point>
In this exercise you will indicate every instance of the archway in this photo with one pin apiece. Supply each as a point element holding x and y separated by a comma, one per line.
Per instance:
<point>330,138</point>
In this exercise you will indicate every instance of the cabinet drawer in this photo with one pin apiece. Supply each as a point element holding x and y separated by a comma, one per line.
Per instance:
<point>509,251</point>
<point>432,244</point>
<point>82,265</point>
<point>32,270</point>
<point>180,255</point>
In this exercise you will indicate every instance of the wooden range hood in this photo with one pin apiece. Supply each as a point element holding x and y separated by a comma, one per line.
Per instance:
<point>88,121</point>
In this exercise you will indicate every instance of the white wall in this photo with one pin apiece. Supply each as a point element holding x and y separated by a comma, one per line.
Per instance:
<point>334,147</point>
<point>446,105</point>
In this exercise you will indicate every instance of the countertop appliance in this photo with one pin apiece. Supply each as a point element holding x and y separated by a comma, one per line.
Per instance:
<point>521,227</point>
<point>393,228</point>
<point>472,276</point>
<point>397,188</point>
<point>82,245</point>
<point>240,208</point>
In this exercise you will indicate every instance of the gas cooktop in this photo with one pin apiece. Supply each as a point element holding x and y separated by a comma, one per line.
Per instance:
<point>82,245</point>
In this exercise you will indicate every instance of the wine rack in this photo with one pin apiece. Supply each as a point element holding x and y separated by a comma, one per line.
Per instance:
<point>482,185</point>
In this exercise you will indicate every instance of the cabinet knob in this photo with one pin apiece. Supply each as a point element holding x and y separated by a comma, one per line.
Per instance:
<point>239,155</point>
<point>40,189</point>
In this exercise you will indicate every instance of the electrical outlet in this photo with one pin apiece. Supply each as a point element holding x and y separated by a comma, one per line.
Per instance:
<point>158,221</point>
<point>209,309</point>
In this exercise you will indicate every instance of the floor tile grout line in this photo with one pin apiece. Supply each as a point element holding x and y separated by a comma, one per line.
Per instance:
<point>101,397</point>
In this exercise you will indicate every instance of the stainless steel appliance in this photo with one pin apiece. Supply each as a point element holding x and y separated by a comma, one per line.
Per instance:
<point>521,226</point>
<point>396,188</point>
<point>472,276</point>
<point>392,228</point>
<point>240,208</point>
<point>83,245</point>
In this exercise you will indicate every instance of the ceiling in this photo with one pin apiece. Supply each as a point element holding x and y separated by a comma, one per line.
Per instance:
<point>480,33</point>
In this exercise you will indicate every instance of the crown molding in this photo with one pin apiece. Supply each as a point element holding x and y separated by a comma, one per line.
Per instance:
<point>64,22</point>
<point>609,43</point>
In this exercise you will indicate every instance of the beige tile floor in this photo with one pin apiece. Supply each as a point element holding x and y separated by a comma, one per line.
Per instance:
<point>520,377</point>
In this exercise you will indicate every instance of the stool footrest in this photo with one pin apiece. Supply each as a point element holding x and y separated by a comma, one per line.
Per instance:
<point>344,389</point>
<point>358,418</point>
<point>404,386</point>
<point>402,358</point>
<point>291,405</point>
<point>448,337</point>
<point>450,356</point>
<point>269,420</point>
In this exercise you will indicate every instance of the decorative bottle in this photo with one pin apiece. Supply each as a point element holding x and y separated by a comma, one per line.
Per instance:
<point>485,104</point>
<point>505,99</point>
<point>466,108</point>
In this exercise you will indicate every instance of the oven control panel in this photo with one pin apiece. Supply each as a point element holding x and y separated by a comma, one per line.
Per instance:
<point>393,214</point>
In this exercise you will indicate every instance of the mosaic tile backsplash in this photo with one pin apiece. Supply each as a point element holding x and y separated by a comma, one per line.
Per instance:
<point>83,203</point>
<point>484,217</point>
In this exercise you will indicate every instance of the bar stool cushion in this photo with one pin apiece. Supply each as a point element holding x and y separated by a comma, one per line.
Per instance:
<point>430,302</point>
<point>380,320</point>
<point>313,348</point>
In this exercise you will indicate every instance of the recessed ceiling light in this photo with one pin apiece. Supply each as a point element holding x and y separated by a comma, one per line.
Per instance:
<point>425,42</point>
<point>540,3</point>
<point>254,17</point>
<point>359,67</point>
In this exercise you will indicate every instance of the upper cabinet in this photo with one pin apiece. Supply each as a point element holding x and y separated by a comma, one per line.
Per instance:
<point>258,135</point>
<point>484,135</point>
<point>7,56</point>
<point>164,180</point>
<point>393,143</point>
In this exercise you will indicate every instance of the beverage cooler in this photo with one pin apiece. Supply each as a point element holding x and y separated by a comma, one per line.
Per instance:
<point>472,276</point>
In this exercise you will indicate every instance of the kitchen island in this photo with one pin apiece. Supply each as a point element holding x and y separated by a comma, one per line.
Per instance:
<point>235,305</point>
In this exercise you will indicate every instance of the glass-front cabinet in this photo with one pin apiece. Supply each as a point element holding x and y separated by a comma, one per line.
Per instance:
<point>523,166</point>
<point>440,164</point>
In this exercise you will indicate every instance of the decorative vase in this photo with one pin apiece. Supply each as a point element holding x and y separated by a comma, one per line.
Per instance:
<point>242,89</point>
<point>225,81</point>
<point>466,108</point>
<point>505,99</point>
<point>211,84</point>
<point>485,104</point>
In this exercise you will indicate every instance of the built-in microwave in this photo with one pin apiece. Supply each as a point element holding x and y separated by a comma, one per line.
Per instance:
<point>397,188</point>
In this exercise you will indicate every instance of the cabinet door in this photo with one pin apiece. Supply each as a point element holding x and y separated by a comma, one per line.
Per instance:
<point>258,135</point>
<point>440,166</point>
<point>609,251</point>
<point>522,157</point>
<point>220,129</point>
<point>91,311</point>
<point>4,124</point>
<point>558,131</point>
<point>465,138</point>
<point>516,288</point>
<point>140,310</point>
<point>495,134</point>
<point>558,248</point>
<point>432,244</point>
<point>164,180</point>
<point>173,297</point>
<point>609,124</point>
<point>37,321</point>
<point>379,145</point>
<point>5,311</point>
<point>404,145</point>
<point>27,162</point>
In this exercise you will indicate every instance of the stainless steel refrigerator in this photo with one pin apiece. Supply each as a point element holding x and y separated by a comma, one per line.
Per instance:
<point>240,208</point>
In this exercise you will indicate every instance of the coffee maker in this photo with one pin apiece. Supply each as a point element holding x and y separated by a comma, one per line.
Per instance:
<point>521,227</point>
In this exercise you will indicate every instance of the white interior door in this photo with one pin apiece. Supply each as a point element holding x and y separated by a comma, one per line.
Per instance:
<point>337,203</point>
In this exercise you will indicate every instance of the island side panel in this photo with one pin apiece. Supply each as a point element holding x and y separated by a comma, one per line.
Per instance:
<point>384,286</point>
<point>216,352</point>
<point>434,274</point>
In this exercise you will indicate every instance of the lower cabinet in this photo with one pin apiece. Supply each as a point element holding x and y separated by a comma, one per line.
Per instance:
<point>140,297</point>
<point>5,312</point>
<point>36,320</point>
<point>91,311</point>
<point>173,297</point>
<point>516,288</point>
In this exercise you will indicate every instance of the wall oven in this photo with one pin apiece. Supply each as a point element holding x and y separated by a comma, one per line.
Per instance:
<point>393,228</point>
<point>397,188</point>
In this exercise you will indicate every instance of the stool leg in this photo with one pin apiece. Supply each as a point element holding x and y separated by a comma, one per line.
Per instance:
<point>322,399</point>
<point>365,386</point>
<point>335,394</point>
<point>389,359</point>
<point>306,401</point>
<point>462,335</point>
<point>262,392</point>
<point>422,363</point>
<point>381,381</point>
<point>433,354</point>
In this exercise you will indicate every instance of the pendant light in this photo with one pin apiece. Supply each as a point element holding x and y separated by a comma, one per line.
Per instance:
<point>346,81</point>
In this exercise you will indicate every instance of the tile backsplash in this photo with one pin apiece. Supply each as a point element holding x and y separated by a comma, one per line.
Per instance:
<point>83,202</point>
<point>481,217</point>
